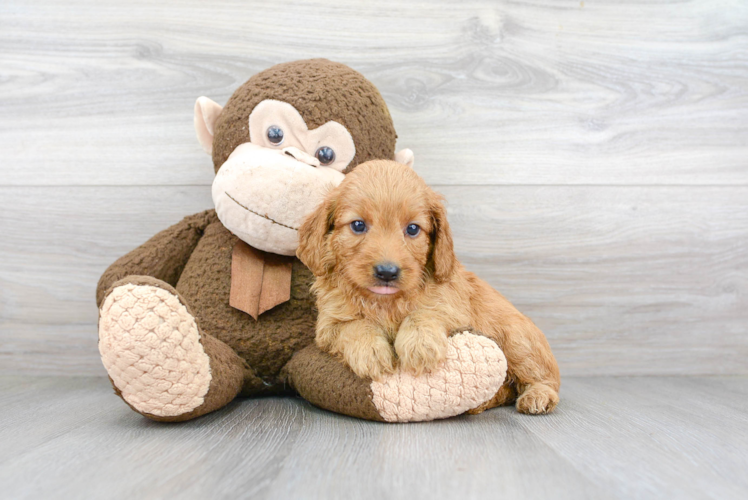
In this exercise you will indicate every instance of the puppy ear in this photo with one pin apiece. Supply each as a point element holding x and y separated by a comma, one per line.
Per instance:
<point>442,253</point>
<point>313,248</point>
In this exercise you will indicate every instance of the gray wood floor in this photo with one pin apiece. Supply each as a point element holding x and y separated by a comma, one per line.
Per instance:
<point>632,437</point>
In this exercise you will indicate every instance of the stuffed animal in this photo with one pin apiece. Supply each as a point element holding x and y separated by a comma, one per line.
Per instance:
<point>217,306</point>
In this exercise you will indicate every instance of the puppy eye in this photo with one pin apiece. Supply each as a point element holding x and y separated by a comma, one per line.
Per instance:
<point>325,155</point>
<point>275,135</point>
<point>413,229</point>
<point>358,226</point>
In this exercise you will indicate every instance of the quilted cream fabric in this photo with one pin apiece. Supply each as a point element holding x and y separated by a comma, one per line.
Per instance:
<point>473,372</point>
<point>150,345</point>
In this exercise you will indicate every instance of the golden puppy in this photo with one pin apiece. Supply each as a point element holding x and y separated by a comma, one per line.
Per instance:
<point>389,288</point>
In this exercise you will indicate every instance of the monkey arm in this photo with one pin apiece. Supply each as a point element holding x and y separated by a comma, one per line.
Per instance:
<point>472,374</point>
<point>163,256</point>
<point>327,382</point>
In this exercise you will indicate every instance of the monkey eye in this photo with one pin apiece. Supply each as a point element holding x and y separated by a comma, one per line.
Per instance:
<point>358,226</point>
<point>275,135</point>
<point>325,155</point>
<point>413,230</point>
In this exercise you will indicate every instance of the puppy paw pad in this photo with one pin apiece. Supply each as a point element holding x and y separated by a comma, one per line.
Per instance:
<point>473,372</point>
<point>150,346</point>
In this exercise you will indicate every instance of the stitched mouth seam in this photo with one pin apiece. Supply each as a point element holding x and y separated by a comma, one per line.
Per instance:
<point>260,215</point>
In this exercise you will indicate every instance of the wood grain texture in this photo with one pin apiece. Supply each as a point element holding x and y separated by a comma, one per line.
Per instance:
<point>484,91</point>
<point>609,438</point>
<point>594,155</point>
<point>648,280</point>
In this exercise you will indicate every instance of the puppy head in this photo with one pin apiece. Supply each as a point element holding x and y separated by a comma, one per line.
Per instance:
<point>382,232</point>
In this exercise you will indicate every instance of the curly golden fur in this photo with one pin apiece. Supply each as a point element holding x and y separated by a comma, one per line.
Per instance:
<point>374,324</point>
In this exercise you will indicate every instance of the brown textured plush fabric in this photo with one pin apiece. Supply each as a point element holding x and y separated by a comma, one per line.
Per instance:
<point>247,356</point>
<point>193,257</point>
<point>204,285</point>
<point>163,256</point>
<point>229,373</point>
<point>329,384</point>
<point>267,343</point>
<point>321,91</point>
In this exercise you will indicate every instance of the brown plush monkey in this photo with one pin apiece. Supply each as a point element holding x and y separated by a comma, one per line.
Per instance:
<point>217,305</point>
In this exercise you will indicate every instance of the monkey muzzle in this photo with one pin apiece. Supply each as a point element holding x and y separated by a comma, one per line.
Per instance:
<point>262,195</point>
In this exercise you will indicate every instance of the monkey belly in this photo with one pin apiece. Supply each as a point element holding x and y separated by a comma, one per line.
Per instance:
<point>266,344</point>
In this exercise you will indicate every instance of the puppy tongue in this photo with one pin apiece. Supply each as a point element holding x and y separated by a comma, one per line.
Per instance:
<point>383,290</point>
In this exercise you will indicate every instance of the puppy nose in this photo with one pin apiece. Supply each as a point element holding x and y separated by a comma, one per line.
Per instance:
<point>386,271</point>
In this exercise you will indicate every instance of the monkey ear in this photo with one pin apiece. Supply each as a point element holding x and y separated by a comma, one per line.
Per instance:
<point>206,114</point>
<point>313,248</point>
<point>442,254</point>
<point>405,156</point>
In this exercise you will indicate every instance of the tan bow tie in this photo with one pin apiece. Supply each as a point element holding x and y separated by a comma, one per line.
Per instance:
<point>259,280</point>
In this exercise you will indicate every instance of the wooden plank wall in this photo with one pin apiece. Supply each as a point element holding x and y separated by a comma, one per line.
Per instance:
<point>594,155</point>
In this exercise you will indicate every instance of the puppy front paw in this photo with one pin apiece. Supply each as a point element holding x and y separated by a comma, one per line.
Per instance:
<point>370,359</point>
<point>420,349</point>
<point>537,399</point>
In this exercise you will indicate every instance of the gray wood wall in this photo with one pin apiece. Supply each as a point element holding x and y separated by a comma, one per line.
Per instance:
<point>594,155</point>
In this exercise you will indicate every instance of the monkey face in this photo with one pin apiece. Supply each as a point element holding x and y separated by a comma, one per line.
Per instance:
<point>251,194</point>
<point>268,185</point>
<point>285,137</point>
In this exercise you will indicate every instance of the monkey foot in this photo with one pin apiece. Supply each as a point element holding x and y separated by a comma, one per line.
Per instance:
<point>473,372</point>
<point>150,346</point>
